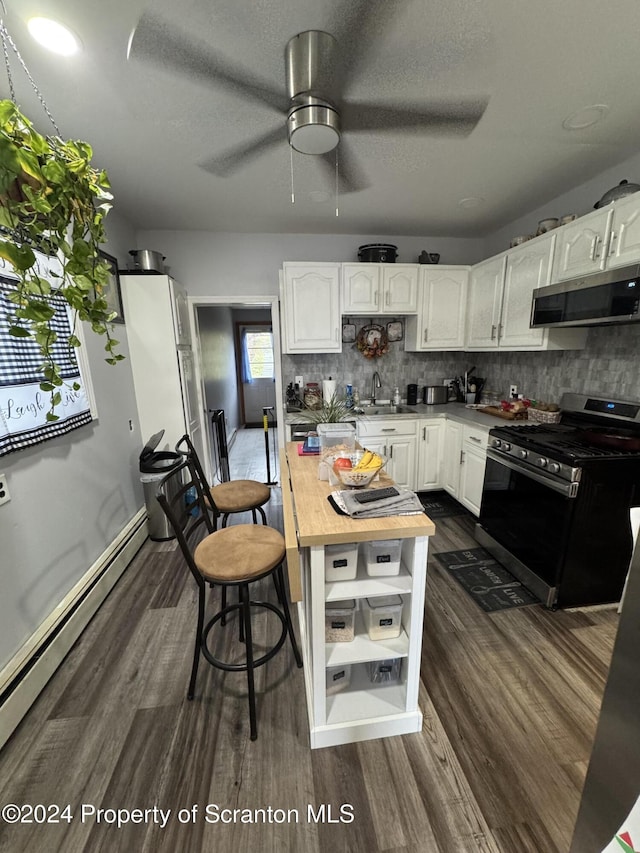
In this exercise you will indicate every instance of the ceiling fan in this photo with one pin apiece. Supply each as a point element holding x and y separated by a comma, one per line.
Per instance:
<point>315,113</point>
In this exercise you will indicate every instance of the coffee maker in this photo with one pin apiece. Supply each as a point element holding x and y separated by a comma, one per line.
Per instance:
<point>412,395</point>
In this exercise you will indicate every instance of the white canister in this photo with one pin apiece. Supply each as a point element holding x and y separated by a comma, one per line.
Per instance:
<point>328,389</point>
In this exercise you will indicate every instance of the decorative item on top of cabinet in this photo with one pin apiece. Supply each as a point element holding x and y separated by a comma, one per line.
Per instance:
<point>311,315</point>
<point>500,294</point>
<point>380,288</point>
<point>442,310</point>
<point>607,238</point>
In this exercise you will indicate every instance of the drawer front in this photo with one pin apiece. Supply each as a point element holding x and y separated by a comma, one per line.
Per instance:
<point>476,437</point>
<point>388,428</point>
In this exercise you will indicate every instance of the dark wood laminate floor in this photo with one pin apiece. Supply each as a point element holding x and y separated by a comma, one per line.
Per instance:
<point>510,703</point>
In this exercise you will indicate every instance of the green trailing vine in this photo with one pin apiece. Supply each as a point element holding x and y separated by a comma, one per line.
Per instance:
<point>53,201</point>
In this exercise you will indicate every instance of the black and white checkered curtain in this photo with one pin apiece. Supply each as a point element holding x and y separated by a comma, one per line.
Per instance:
<point>23,406</point>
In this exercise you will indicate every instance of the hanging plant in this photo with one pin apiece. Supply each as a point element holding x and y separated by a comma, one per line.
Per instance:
<point>53,201</point>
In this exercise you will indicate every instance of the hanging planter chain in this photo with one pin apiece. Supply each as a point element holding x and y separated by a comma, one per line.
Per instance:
<point>6,39</point>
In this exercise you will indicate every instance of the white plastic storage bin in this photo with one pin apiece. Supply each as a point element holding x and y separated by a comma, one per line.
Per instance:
<point>383,616</point>
<point>383,557</point>
<point>338,678</point>
<point>340,562</point>
<point>339,621</point>
<point>385,671</point>
<point>341,436</point>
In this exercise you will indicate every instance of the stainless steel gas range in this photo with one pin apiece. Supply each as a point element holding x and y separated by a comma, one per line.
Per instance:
<point>556,500</point>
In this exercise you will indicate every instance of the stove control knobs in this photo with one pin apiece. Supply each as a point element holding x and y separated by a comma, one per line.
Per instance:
<point>523,454</point>
<point>506,445</point>
<point>554,467</point>
<point>542,461</point>
<point>495,442</point>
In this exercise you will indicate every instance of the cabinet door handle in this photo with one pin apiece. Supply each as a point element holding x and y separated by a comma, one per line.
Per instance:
<point>424,433</point>
<point>500,327</point>
<point>387,299</point>
<point>475,438</point>
<point>612,240</point>
<point>391,452</point>
<point>375,298</point>
<point>388,429</point>
<point>594,245</point>
<point>461,457</point>
<point>493,333</point>
<point>425,336</point>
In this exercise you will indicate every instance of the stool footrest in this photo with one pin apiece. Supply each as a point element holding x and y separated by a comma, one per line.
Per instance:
<point>242,667</point>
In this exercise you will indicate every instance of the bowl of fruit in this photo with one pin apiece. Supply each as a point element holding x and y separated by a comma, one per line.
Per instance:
<point>355,469</point>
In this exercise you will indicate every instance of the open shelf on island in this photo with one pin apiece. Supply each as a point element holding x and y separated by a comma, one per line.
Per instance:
<point>364,700</point>
<point>363,586</point>
<point>362,649</point>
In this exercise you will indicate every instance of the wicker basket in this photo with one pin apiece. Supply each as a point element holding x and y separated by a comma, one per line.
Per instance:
<point>538,416</point>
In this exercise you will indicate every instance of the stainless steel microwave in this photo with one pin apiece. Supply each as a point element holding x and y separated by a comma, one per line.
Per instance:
<point>593,300</point>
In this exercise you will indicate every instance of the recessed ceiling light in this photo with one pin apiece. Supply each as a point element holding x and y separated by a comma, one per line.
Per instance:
<point>472,201</point>
<point>585,117</point>
<point>54,36</point>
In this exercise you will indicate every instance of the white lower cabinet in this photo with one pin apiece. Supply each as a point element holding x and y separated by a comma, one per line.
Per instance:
<point>396,440</point>
<point>356,706</point>
<point>430,435</point>
<point>465,458</point>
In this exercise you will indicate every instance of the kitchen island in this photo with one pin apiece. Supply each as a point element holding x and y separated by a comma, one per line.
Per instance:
<point>364,709</point>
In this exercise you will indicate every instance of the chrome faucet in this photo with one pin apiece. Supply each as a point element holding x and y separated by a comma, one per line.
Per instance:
<point>375,383</point>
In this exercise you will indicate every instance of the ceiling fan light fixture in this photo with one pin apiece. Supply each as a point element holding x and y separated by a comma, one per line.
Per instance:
<point>313,129</point>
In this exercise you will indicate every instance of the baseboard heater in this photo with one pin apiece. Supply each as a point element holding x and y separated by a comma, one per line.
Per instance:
<point>27,673</point>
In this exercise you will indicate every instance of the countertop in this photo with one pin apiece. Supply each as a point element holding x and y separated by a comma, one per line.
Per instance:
<point>455,411</point>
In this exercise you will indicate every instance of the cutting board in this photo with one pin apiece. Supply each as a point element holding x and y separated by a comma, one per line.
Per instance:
<point>500,413</point>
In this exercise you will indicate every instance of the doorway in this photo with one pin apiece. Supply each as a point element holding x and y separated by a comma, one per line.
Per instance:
<point>256,374</point>
<point>217,325</point>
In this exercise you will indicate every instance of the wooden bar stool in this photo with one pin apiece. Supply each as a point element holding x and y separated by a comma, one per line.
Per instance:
<point>235,556</point>
<point>232,497</point>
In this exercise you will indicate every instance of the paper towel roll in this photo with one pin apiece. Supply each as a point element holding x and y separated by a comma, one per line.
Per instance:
<point>328,388</point>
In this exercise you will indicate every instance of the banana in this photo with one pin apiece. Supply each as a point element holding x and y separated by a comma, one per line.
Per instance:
<point>370,462</point>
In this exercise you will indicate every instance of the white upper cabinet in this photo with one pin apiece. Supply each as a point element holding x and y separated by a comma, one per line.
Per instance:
<point>379,288</point>
<point>581,245</point>
<point>499,309</point>
<point>311,308</point>
<point>605,239</point>
<point>486,282</point>
<point>442,310</point>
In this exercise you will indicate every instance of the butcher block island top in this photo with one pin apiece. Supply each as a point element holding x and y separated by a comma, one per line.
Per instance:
<point>319,523</point>
<point>377,671</point>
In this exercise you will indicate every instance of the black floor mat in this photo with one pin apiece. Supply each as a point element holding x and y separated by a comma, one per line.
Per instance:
<point>440,505</point>
<point>488,583</point>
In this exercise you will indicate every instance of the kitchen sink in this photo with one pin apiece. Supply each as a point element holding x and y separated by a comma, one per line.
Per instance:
<point>388,410</point>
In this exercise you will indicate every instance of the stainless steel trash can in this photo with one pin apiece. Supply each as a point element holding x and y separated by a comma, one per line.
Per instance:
<point>154,467</point>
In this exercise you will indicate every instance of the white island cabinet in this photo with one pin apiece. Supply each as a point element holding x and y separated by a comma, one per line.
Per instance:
<point>365,708</point>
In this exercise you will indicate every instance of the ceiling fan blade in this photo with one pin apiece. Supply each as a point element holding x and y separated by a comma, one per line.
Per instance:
<point>351,177</point>
<point>228,162</point>
<point>453,118</point>
<point>358,28</point>
<point>157,41</point>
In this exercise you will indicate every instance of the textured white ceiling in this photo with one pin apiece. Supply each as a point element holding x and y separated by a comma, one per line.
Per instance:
<point>151,127</point>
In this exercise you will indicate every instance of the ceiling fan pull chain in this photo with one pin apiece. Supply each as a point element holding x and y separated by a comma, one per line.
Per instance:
<point>337,211</point>
<point>293,195</point>
<point>6,39</point>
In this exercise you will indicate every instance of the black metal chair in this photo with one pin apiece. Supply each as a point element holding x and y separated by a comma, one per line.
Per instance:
<point>232,497</point>
<point>235,556</point>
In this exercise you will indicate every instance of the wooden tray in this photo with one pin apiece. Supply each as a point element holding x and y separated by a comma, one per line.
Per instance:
<point>500,413</point>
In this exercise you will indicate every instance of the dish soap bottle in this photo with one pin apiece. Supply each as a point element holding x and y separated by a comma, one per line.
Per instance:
<point>396,397</point>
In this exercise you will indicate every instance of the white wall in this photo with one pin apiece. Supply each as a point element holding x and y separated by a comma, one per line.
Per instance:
<point>247,264</point>
<point>70,496</point>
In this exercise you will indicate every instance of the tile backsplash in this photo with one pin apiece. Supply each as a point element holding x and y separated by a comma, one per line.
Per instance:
<point>608,366</point>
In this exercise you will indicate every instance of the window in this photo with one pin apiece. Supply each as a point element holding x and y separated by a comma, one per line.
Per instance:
<point>259,349</point>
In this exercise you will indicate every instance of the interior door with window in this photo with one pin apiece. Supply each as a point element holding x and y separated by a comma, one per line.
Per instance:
<point>257,370</point>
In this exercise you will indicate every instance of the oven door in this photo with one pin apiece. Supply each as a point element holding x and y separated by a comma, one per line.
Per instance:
<point>528,516</point>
